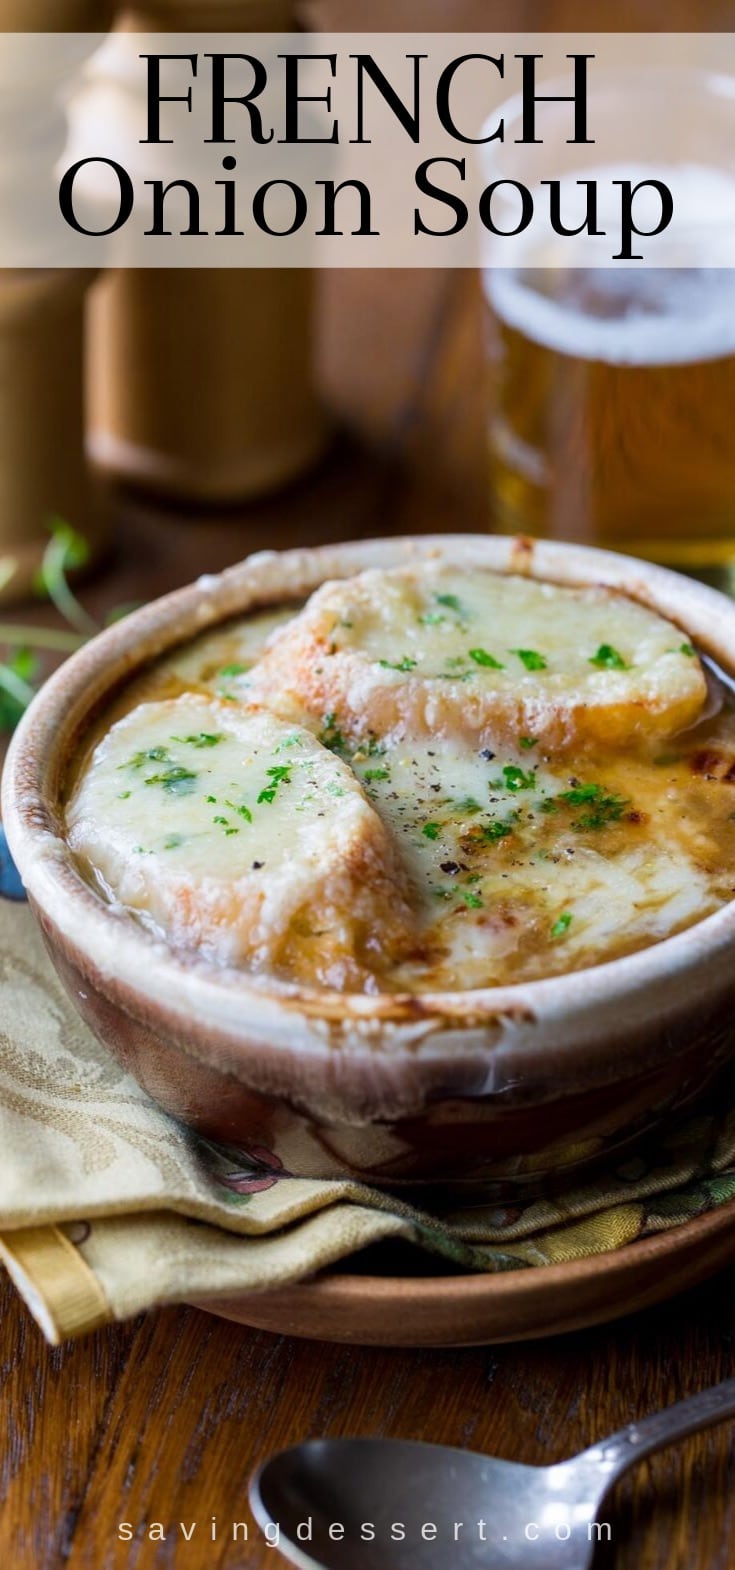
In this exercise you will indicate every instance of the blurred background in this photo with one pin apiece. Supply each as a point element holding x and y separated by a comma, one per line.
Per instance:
<point>134,455</point>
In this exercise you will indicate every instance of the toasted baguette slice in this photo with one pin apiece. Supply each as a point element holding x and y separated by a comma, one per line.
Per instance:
<point>430,651</point>
<point>240,837</point>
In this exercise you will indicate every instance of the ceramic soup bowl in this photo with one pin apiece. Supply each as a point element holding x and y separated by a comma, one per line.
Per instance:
<point>503,1085</point>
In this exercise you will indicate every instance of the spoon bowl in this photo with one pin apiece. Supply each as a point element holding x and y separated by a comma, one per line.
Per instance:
<point>393,1504</point>
<point>428,1507</point>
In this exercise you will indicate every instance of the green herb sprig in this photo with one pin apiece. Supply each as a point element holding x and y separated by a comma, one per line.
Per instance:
<point>279,775</point>
<point>608,659</point>
<point>66,550</point>
<point>531,659</point>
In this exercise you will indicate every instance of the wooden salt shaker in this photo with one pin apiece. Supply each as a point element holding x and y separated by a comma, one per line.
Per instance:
<point>43,472</point>
<point>175,404</point>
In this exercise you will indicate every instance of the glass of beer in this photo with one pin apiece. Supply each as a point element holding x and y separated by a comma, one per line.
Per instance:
<point>613,385</point>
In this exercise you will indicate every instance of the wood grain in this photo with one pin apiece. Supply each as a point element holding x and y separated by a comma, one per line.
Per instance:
<point>164,1420</point>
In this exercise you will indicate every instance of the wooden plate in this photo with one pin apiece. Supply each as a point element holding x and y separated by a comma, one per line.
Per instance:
<point>519,1305</point>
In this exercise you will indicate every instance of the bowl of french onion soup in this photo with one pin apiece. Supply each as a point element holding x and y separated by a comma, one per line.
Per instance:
<point>410,860</point>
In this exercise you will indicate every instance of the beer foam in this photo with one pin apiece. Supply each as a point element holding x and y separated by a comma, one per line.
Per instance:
<point>676,310</point>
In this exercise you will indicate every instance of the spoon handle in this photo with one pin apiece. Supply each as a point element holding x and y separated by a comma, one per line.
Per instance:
<point>654,1433</point>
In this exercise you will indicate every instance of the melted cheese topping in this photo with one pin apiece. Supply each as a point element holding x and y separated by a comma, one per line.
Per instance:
<point>242,837</point>
<point>524,870</point>
<point>427,651</point>
<point>470,788</point>
<point>220,662</point>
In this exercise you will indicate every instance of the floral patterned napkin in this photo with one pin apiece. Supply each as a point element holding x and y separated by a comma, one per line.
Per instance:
<point>108,1206</point>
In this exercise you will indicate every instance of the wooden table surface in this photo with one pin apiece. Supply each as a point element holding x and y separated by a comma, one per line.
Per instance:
<point>163,1419</point>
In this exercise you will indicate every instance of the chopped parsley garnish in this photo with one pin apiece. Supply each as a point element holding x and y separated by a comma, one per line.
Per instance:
<point>496,831</point>
<point>279,775</point>
<point>515,779</point>
<point>609,809</point>
<point>579,794</point>
<point>450,602</point>
<point>608,659</point>
<point>224,823</point>
<point>473,901</point>
<point>236,669</point>
<point>173,842</point>
<point>454,670</point>
<point>377,774</point>
<point>242,810</point>
<point>150,755</point>
<point>177,780</point>
<point>527,742</point>
<point>331,736</point>
<point>688,649</point>
<point>561,925</point>
<point>532,660</point>
<point>481,657</point>
<point>431,830</point>
<point>604,806</point>
<point>404,664</point>
<point>124,794</point>
<point>468,805</point>
<point>203,739</point>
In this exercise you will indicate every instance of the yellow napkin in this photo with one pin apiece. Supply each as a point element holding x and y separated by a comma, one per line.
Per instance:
<point>108,1206</point>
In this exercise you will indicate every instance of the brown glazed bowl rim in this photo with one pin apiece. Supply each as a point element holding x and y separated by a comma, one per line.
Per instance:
<point>656,981</point>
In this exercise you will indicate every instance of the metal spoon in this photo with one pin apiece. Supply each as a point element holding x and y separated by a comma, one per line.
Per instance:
<point>457,1510</point>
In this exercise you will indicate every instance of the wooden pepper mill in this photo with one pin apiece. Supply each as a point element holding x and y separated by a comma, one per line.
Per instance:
<point>43,472</point>
<point>175,405</point>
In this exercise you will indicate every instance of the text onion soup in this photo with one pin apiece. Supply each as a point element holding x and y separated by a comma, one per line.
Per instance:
<point>424,778</point>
